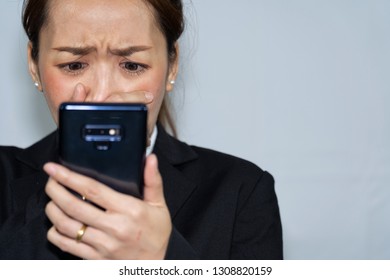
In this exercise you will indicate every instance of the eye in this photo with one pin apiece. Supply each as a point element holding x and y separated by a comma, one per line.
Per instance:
<point>133,68</point>
<point>73,67</point>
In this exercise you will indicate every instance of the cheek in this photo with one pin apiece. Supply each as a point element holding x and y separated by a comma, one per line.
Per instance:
<point>153,111</point>
<point>156,85</point>
<point>56,90</point>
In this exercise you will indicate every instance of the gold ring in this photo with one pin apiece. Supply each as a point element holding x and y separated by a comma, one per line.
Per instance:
<point>80,233</point>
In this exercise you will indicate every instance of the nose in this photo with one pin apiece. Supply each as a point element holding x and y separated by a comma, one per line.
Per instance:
<point>102,83</point>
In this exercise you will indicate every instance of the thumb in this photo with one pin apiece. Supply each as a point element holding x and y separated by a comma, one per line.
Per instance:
<point>153,191</point>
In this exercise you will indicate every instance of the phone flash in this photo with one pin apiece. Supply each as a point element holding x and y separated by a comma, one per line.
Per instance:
<point>112,132</point>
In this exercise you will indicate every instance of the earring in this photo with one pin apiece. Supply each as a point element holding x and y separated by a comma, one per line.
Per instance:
<point>36,84</point>
<point>172,82</point>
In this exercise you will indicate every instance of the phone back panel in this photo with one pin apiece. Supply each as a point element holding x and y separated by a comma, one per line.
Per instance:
<point>105,141</point>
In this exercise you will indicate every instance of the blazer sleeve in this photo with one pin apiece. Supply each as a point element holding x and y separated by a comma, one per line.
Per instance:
<point>258,231</point>
<point>19,238</point>
<point>23,233</point>
<point>23,223</point>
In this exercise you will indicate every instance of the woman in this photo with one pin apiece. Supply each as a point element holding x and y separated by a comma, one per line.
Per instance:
<point>198,204</point>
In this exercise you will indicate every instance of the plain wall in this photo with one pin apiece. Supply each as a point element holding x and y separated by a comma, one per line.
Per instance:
<point>301,88</point>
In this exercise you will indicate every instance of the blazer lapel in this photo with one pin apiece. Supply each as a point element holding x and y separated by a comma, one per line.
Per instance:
<point>172,154</point>
<point>31,186</point>
<point>29,191</point>
<point>41,152</point>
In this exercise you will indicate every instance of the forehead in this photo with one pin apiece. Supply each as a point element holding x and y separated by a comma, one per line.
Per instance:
<point>86,19</point>
<point>91,7</point>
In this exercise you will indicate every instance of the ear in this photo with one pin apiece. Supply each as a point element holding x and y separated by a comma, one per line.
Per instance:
<point>173,70</point>
<point>33,67</point>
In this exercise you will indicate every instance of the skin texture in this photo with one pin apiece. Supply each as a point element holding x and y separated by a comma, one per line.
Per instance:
<point>105,51</point>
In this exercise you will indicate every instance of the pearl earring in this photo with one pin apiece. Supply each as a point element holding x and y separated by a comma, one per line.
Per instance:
<point>36,84</point>
<point>172,82</point>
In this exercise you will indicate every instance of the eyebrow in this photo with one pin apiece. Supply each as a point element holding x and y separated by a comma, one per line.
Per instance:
<point>130,50</point>
<point>119,52</point>
<point>76,50</point>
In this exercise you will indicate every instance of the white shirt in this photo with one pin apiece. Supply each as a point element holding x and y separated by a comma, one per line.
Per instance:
<point>153,138</point>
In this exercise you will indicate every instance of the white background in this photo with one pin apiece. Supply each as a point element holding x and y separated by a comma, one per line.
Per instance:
<point>300,87</point>
<point>199,270</point>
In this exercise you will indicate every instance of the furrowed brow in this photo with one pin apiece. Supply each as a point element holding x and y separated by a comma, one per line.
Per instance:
<point>76,50</point>
<point>130,50</point>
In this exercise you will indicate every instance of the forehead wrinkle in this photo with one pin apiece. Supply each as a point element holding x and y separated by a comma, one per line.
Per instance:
<point>104,39</point>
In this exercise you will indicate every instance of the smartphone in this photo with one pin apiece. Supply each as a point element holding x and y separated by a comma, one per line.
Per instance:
<point>105,141</point>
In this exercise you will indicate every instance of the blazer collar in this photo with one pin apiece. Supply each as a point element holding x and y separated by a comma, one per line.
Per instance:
<point>173,150</point>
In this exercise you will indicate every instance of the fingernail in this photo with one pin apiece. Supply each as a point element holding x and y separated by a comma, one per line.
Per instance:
<point>77,92</point>
<point>154,162</point>
<point>149,96</point>
<point>79,88</point>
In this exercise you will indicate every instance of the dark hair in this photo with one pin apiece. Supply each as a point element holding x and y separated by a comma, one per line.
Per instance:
<point>168,15</point>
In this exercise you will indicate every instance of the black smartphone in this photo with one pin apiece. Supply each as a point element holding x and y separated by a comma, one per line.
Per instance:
<point>105,141</point>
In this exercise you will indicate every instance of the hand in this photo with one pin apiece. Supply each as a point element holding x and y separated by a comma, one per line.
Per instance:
<point>128,228</point>
<point>83,94</point>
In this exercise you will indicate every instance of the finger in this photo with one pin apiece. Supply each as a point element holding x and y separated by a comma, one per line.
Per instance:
<point>153,191</point>
<point>63,223</point>
<point>102,242</point>
<point>70,245</point>
<point>142,97</point>
<point>73,206</point>
<point>79,94</point>
<point>93,190</point>
<point>69,227</point>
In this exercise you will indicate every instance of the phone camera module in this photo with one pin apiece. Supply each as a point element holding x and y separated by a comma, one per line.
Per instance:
<point>102,133</point>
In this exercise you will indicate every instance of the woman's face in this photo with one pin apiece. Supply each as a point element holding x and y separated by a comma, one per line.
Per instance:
<point>112,48</point>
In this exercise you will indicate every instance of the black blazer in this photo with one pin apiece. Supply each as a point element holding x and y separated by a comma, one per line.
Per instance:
<point>222,207</point>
